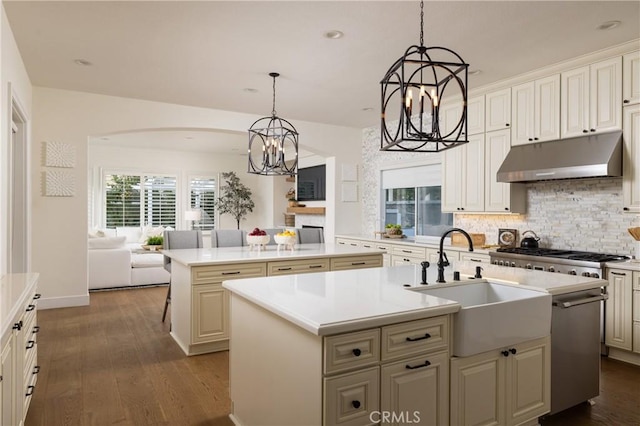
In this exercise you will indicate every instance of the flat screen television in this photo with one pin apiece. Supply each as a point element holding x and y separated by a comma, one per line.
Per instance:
<point>311,183</point>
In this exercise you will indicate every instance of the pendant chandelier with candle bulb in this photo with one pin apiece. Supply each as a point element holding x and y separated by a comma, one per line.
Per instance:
<point>273,144</point>
<point>413,91</point>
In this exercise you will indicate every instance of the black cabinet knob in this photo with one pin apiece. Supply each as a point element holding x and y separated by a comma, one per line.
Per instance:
<point>505,353</point>
<point>356,404</point>
<point>357,352</point>
<point>530,139</point>
<point>593,130</point>
<point>626,209</point>
<point>506,208</point>
<point>507,124</point>
<point>535,139</point>
<point>585,131</point>
<point>626,101</point>
<point>513,351</point>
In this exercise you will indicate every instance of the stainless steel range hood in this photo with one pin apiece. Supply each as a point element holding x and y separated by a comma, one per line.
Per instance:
<point>585,156</point>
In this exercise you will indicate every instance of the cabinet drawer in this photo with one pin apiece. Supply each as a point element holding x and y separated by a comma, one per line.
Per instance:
<point>480,258</point>
<point>636,280</point>
<point>219,273</point>
<point>636,305</point>
<point>351,398</point>
<point>297,267</point>
<point>350,350</point>
<point>347,242</point>
<point>30,363</point>
<point>356,262</point>
<point>415,337</point>
<point>384,247</point>
<point>410,251</point>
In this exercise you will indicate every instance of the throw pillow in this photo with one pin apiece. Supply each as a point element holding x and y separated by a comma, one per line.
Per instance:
<point>96,233</point>
<point>150,231</point>
<point>106,243</point>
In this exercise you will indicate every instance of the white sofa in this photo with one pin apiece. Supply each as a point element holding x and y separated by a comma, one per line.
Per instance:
<point>116,259</point>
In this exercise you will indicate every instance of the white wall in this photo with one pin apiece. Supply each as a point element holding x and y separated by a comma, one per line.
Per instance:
<point>14,79</point>
<point>74,117</point>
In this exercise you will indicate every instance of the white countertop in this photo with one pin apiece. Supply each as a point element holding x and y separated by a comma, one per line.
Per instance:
<point>629,265</point>
<point>15,289</point>
<point>432,242</point>
<point>342,301</point>
<point>227,255</point>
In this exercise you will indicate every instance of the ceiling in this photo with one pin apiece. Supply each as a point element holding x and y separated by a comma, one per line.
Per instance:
<point>207,53</point>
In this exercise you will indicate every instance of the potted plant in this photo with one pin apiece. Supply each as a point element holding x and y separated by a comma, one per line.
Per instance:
<point>393,230</point>
<point>293,202</point>
<point>154,242</point>
<point>236,198</point>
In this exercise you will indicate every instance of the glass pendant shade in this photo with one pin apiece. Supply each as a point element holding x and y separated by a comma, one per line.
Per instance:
<point>273,144</point>
<point>412,96</point>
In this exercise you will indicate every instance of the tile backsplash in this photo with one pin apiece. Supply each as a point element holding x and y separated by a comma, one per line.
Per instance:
<point>578,214</point>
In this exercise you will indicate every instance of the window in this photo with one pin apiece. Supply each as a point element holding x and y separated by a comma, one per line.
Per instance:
<point>413,199</point>
<point>202,192</point>
<point>135,200</point>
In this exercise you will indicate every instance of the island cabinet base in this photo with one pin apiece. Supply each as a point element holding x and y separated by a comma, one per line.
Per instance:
<point>281,374</point>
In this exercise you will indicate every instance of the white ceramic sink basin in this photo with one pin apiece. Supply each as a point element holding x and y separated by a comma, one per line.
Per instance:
<point>494,315</point>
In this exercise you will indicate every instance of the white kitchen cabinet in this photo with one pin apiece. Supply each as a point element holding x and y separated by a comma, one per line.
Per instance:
<point>451,110</point>
<point>407,255</point>
<point>631,78</point>
<point>631,160</point>
<point>463,177</point>
<point>499,196</point>
<point>452,255</point>
<point>618,313</point>
<point>503,387</point>
<point>7,371</point>
<point>210,313</point>
<point>536,111</point>
<point>498,110</point>
<point>591,99</point>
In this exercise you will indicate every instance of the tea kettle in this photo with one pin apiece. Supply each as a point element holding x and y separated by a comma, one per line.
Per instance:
<point>529,242</point>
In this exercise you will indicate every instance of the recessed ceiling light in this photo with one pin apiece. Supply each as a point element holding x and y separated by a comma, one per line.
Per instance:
<point>82,62</point>
<point>609,25</point>
<point>105,138</point>
<point>367,109</point>
<point>334,34</point>
<point>250,90</point>
<point>475,72</point>
<point>188,137</point>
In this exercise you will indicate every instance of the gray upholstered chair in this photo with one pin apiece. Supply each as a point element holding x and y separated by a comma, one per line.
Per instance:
<point>310,235</point>
<point>228,238</point>
<point>174,240</point>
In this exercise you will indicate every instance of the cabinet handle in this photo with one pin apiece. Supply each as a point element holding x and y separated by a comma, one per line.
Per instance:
<point>315,266</point>
<point>507,125</point>
<point>366,246</point>
<point>530,139</point>
<point>618,273</point>
<point>415,339</point>
<point>626,209</point>
<point>36,369</point>
<point>585,131</point>
<point>356,404</point>
<point>506,208</point>
<point>353,244</point>
<point>626,101</point>
<point>357,352</point>
<point>36,329</point>
<point>30,308</point>
<point>535,139</point>
<point>37,296</point>
<point>407,251</point>
<point>30,389</point>
<point>358,263</point>
<point>413,367</point>
<point>513,351</point>
<point>31,344</point>
<point>406,260</point>
<point>505,353</point>
<point>231,273</point>
<point>593,130</point>
<point>17,326</point>
<point>284,269</point>
<point>475,260</point>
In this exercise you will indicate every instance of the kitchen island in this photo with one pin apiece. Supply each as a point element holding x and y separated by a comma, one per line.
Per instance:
<point>349,347</point>
<point>199,304</point>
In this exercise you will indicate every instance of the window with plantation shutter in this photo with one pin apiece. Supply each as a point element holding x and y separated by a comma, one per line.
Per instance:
<point>202,192</point>
<point>136,200</point>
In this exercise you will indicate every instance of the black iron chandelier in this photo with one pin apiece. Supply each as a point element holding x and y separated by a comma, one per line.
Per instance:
<point>273,144</point>
<point>412,93</point>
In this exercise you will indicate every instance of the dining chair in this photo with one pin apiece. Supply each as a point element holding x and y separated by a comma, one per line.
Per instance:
<point>175,240</point>
<point>228,238</point>
<point>310,235</point>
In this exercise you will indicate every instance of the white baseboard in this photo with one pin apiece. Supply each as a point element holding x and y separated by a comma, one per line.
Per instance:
<point>63,302</point>
<point>626,356</point>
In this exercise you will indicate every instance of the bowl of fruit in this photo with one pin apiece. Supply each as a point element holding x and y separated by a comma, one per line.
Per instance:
<point>257,238</point>
<point>285,238</point>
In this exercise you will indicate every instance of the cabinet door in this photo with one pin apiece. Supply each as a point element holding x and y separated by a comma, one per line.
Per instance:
<point>477,390</point>
<point>574,101</point>
<point>618,317</point>
<point>210,310</point>
<point>418,389</point>
<point>528,375</point>
<point>546,109</point>
<point>450,112</point>
<point>473,171</point>
<point>522,113</point>
<point>498,110</point>
<point>631,78</point>
<point>7,392</point>
<point>606,95</point>
<point>452,180</point>
<point>631,160</point>
<point>497,145</point>
<point>475,115</point>
<point>475,257</point>
<point>352,399</point>
<point>636,318</point>
<point>397,260</point>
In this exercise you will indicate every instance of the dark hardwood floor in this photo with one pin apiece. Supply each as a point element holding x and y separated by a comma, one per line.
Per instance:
<point>114,363</point>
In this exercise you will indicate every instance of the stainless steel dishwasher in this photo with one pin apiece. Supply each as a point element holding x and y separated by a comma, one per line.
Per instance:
<point>575,348</point>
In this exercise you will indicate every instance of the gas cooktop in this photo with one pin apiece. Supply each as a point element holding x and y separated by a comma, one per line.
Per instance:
<point>563,254</point>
